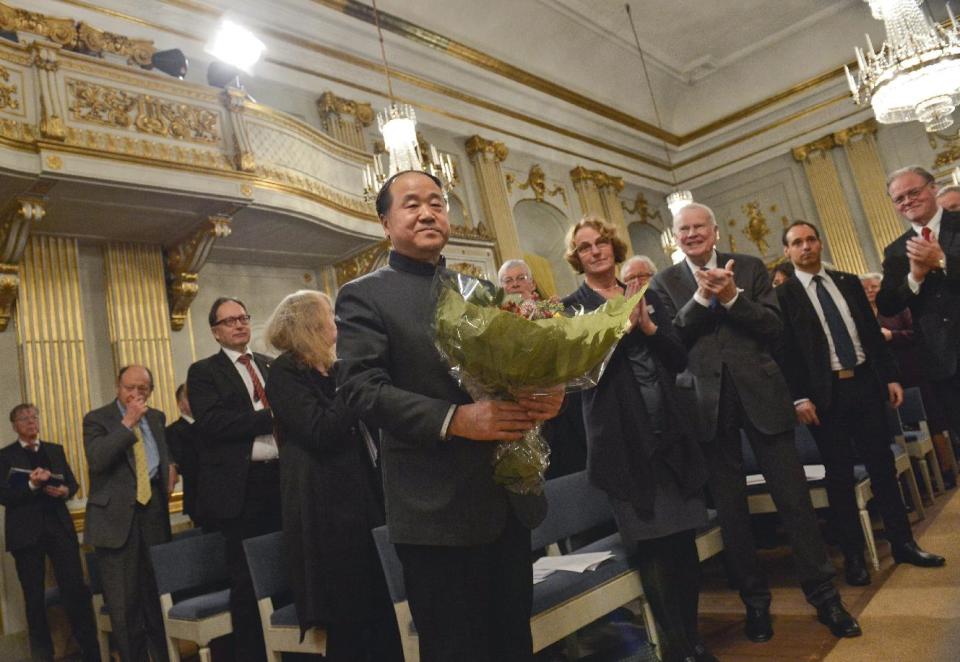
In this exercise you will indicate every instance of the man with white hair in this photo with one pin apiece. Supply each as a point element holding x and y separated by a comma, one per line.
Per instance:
<point>725,311</point>
<point>948,197</point>
<point>516,278</point>
<point>639,268</point>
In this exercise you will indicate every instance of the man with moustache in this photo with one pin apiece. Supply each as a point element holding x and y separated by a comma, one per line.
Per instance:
<point>130,482</point>
<point>921,271</point>
<point>239,476</point>
<point>841,372</point>
<point>463,540</point>
<point>726,313</point>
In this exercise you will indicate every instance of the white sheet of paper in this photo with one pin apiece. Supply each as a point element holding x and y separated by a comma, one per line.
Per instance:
<point>572,562</point>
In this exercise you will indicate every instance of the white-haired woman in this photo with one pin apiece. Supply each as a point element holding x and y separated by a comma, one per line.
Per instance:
<point>329,489</point>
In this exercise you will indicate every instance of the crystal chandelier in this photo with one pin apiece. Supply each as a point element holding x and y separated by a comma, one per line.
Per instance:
<point>916,73</point>
<point>678,198</point>
<point>669,245</point>
<point>398,126</point>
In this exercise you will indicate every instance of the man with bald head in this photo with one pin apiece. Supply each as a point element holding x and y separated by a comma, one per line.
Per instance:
<point>725,311</point>
<point>130,482</point>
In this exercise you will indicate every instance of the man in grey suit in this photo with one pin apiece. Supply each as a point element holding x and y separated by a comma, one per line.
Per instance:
<point>130,480</point>
<point>726,313</point>
<point>464,541</point>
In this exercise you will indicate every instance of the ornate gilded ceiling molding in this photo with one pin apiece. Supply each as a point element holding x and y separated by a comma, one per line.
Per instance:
<point>17,221</point>
<point>490,149</point>
<point>642,209</point>
<point>184,262</point>
<point>361,263</point>
<point>865,128</point>
<point>339,106</point>
<point>804,152</point>
<point>476,232</point>
<point>74,36</point>
<point>537,183</point>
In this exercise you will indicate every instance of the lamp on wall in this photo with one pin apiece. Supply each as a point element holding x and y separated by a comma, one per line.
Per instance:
<point>398,125</point>
<point>916,73</point>
<point>236,50</point>
<point>678,198</point>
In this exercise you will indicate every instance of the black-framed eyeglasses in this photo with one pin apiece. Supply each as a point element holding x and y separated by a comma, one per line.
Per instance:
<point>231,322</point>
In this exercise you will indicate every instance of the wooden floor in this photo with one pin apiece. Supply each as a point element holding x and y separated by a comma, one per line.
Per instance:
<point>913,611</point>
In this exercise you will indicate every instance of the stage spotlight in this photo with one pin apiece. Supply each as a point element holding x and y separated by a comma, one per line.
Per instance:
<point>235,45</point>
<point>221,74</point>
<point>172,62</point>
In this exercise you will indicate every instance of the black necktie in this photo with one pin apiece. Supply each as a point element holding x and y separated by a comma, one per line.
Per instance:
<point>842,342</point>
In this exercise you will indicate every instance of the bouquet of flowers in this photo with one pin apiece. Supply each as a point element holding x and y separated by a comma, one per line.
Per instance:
<point>499,346</point>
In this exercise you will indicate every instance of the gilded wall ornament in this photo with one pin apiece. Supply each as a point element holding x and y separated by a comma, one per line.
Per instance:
<point>15,225</point>
<point>731,240</point>
<point>536,182</point>
<point>478,231</point>
<point>54,162</point>
<point>469,269</point>
<point>97,42</point>
<point>642,209</point>
<point>756,229</point>
<point>490,149</point>
<point>120,109</point>
<point>331,103</point>
<point>8,93</point>
<point>361,263</point>
<point>184,262</point>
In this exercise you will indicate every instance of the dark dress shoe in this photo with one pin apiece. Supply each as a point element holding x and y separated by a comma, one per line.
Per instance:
<point>835,616</point>
<point>909,552</point>
<point>855,569</point>
<point>758,627</point>
<point>703,655</point>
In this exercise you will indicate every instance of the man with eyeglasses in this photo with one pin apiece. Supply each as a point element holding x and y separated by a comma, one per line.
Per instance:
<point>921,271</point>
<point>130,482</point>
<point>639,269</point>
<point>239,473</point>
<point>516,278</point>
<point>35,484</point>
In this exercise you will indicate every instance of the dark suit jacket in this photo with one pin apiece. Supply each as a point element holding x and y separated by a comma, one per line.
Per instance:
<point>330,501</point>
<point>936,308</point>
<point>26,508</point>
<point>182,441</point>
<point>806,353</point>
<point>113,477</point>
<point>226,425</point>
<point>741,339</point>
<point>438,492</point>
<point>624,456</point>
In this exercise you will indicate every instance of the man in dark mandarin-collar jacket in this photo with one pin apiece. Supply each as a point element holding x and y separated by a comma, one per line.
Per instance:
<point>464,541</point>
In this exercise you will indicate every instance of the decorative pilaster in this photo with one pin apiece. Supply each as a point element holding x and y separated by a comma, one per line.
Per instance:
<point>15,225</point>
<point>345,119</point>
<point>835,216</point>
<point>184,262</point>
<point>869,174</point>
<point>236,99</point>
<point>53,356</point>
<point>486,157</point>
<point>137,316</point>
<point>52,106</point>
<point>585,184</point>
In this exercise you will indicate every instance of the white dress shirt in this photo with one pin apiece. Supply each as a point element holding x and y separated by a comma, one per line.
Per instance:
<point>934,225</point>
<point>811,289</point>
<point>711,264</point>
<point>264,445</point>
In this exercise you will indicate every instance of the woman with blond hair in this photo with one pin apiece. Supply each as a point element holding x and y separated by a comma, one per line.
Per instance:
<point>641,444</point>
<point>328,488</point>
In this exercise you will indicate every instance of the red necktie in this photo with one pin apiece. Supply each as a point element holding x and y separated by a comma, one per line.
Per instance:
<point>259,395</point>
<point>926,233</point>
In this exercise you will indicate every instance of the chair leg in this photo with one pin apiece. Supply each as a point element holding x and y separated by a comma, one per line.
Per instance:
<point>173,650</point>
<point>650,624</point>
<point>937,476</point>
<point>867,527</point>
<point>205,655</point>
<point>915,493</point>
<point>104,639</point>
<point>925,476</point>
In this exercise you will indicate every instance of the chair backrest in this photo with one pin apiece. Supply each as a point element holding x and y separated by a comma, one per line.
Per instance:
<point>574,506</point>
<point>188,533</point>
<point>93,570</point>
<point>912,411</point>
<point>268,569</point>
<point>392,568</point>
<point>894,425</point>
<point>190,562</point>
<point>806,446</point>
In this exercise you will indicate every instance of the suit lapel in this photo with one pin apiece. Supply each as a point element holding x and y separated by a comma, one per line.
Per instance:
<point>683,282</point>
<point>948,229</point>
<point>226,367</point>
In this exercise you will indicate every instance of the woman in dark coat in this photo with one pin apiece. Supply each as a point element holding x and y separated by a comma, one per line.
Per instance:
<point>641,444</point>
<point>328,489</point>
